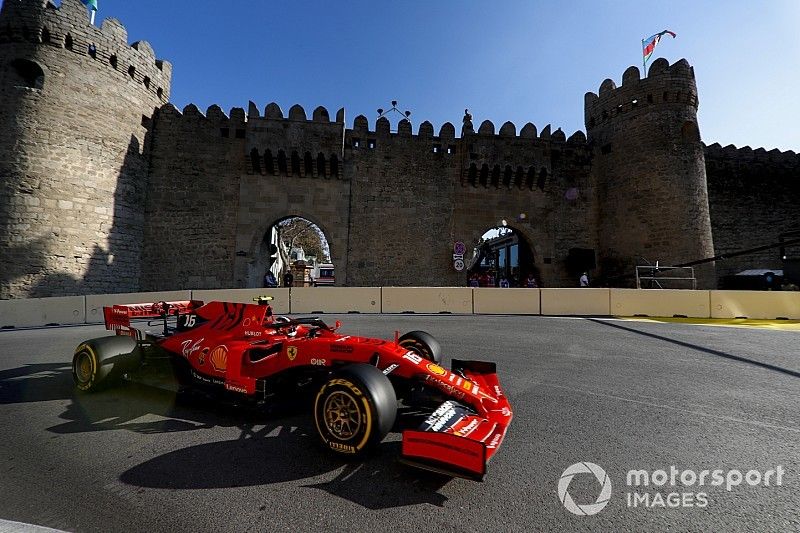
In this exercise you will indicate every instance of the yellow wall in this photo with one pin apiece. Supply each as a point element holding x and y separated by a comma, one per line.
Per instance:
<point>494,301</point>
<point>427,299</point>
<point>755,304</point>
<point>660,302</point>
<point>336,299</point>
<point>576,301</point>
<point>463,300</point>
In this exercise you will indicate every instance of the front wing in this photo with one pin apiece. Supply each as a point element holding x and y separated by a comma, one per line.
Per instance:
<point>455,440</point>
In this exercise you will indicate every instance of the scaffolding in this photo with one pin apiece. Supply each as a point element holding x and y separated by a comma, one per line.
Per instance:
<point>665,277</point>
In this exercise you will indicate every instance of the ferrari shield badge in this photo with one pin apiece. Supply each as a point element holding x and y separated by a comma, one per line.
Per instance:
<point>291,351</point>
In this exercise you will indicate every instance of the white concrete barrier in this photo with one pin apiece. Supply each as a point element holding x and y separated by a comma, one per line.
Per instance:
<point>586,301</point>
<point>280,302</point>
<point>494,301</point>
<point>426,299</point>
<point>755,304</point>
<point>96,302</point>
<point>42,311</point>
<point>336,300</point>
<point>660,303</point>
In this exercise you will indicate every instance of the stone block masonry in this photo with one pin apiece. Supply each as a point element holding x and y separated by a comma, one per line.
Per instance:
<point>106,187</point>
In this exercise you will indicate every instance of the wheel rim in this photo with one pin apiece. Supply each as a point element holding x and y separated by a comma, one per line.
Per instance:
<point>342,415</point>
<point>418,349</point>
<point>83,367</point>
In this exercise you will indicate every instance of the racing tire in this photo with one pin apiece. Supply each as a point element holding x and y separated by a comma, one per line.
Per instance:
<point>100,363</point>
<point>354,410</point>
<point>422,344</point>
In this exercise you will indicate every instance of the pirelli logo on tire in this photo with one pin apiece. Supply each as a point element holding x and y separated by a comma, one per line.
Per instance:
<point>347,384</point>
<point>345,448</point>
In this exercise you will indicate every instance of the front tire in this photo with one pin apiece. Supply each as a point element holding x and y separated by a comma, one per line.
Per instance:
<point>423,344</point>
<point>354,410</point>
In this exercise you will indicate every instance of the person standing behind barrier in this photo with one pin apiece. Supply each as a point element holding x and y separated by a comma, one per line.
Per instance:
<point>504,283</point>
<point>288,279</point>
<point>584,281</point>
<point>531,282</point>
<point>473,280</point>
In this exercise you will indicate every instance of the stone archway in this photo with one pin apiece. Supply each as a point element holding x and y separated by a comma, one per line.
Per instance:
<point>501,253</point>
<point>265,253</point>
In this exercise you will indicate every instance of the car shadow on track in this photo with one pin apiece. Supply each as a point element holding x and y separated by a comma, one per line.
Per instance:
<point>275,445</point>
<point>284,452</point>
<point>281,447</point>
<point>710,351</point>
<point>38,382</point>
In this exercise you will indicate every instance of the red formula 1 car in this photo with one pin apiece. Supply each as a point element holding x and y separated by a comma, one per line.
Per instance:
<point>356,382</point>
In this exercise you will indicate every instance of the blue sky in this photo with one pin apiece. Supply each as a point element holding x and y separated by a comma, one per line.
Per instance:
<point>516,60</point>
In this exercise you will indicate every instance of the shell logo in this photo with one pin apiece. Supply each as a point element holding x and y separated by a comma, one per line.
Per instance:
<point>291,352</point>
<point>219,358</point>
<point>436,369</point>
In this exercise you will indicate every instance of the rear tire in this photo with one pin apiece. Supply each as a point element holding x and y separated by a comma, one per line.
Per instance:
<point>423,344</point>
<point>355,409</point>
<point>100,363</point>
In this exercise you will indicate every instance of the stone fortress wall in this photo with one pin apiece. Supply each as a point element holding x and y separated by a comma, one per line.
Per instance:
<point>107,187</point>
<point>650,169</point>
<point>753,196</point>
<point>73,172</point>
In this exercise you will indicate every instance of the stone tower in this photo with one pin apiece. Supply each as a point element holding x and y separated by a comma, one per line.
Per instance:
<point>76,102</point>
<point>652,200</point>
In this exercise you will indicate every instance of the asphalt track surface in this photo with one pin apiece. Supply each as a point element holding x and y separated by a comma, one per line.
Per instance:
<point>623,395</point>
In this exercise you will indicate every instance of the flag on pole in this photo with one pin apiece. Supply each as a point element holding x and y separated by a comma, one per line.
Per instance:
<point>649,45</point>
<point>92,5</point>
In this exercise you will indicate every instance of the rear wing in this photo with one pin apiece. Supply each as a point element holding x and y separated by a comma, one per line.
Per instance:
<point>118,317</point>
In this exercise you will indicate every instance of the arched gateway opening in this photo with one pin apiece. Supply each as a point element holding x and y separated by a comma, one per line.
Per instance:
<point>502,258</point>
<point>292,245</point>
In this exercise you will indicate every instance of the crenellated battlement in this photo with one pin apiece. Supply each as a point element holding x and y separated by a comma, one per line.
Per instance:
<point>664,84</point>
<point>296,114</point>
<point>361,132</point>
<point>504,160</point>
<point>42,23</point>
<point>273,144</point>
<point>486,131</point>
<point>214,117</point>
<point>732,155</point>
<point>752,168</point>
